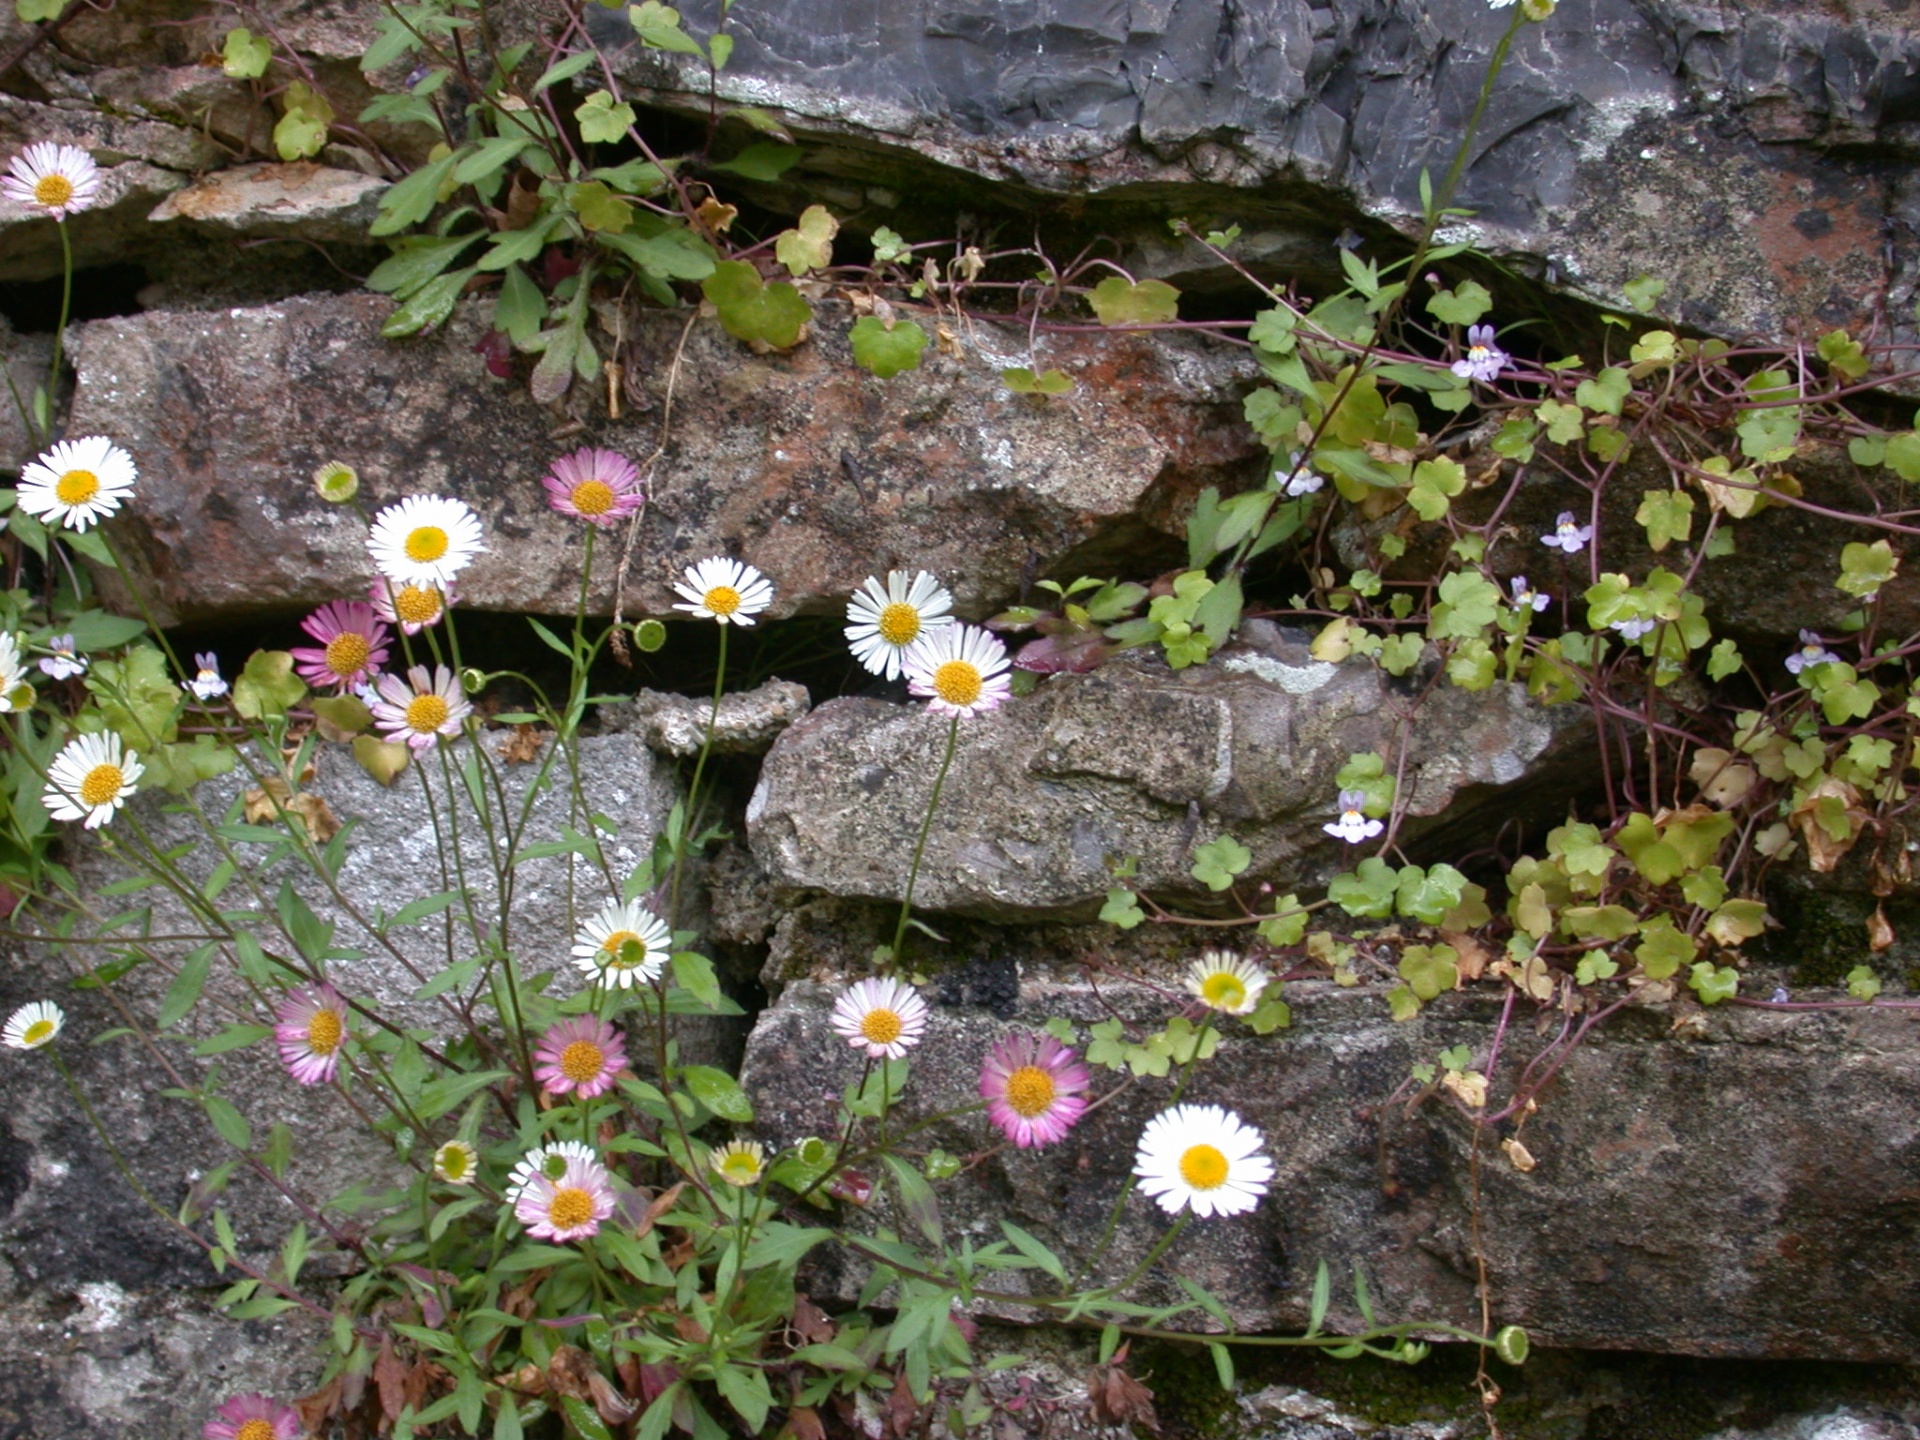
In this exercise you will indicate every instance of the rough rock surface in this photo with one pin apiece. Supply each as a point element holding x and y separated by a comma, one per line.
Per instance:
<point>1681,1202</point>
<point>801,464</point>
<point>311,202</point>
<point>746,723</point>
<point>1759,157</point>
<point>1131,760</point>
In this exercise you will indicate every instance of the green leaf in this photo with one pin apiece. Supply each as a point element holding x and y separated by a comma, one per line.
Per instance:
<point>32,12</point>
<point>693,972</point>
<point>1714,983</point>
<point>1368,891</point>
<point>244,56</point>
<point>762,160</point>
<point>1902,454</point>
<point>599,208</point>
<point>673,254</point>
<point>719,1092</point>
<point>746,1390</point>
<point>1022,381</point>
<point>751,310</point>
<point>565,69</point>
<point>448,1092</point>
<point>1122,909</point>
<point>884,349</point>
<point>1865,568</point>
<point>1034,1250</point>
<point>234,1037</point>
<point>302,130</point>
<point>1430,969</point>
<point>1605,392</point>
<point>1844,356</point>
<point>228,1122</point>
<point>603,120</point>
<point>1862,983</point>
<point>1667,516</point>
<point>1435,483</point>
<point>1462,305</point>
<point>1642,292</point>
<point>411,200</point>
<point>809,245</point>
<point>1216,863</point>
<point>186,987</point>
<point>1273,330</point>
<point>1118,301</point>
<point>415,261</point>
<point>267,688</point>
<point>1663,948</point>
<point>429,305</point>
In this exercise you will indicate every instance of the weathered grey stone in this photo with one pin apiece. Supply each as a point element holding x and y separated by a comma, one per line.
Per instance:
<point>1738,1188</point>
<point>801,464</point>
<point>312,201</point>
<point>1129,761</point>
<point>113,230</point>
<point>27,358</point>
<point>747,722</point>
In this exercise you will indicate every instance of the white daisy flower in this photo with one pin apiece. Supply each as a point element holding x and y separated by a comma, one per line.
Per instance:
<point>959,670</point>
<point>90,779</point>
<point>34,1025</point>
<point>724,589</point>
<point>1202,1158</point>
<point>625,945</point>
<point>15,693</point>
<point>550,1161</point>
<point>77,482</point>
<point>424,540</point>
<point>884,1017</point>
<point>59,179</point>
<point>884,621</point>
<point>1226,982</point>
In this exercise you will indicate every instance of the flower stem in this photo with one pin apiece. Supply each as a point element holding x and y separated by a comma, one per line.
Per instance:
<point>683,849</point>
<point>920,844</point>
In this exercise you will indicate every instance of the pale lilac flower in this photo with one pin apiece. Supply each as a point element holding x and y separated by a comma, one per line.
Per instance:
<point>310,1028</point>
<point>1301,479</point>
<point>64,661</point>
<point>601,487</point>
<point>422,708</point>
<point>206,683</point>
<point>59,179</point>
<point>884,1017</point>
<point>961,670</point>
<point>1353,826</point>
<point>1484,360</point>
<point>1525,598</point>
<point>412,607</point>
<point>1567,535</point>
<point>581,1054</point>
<point>254,1417</point>
<point>1204,1159</point>
<point>1035,1089</point>
<point>1633,629</point>
<point>353,646</point>
<point>1810,653</point>
<point>569,1208</point>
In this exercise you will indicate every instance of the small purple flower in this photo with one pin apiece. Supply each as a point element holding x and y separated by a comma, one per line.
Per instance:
<point>310,1027</point>
<point>1353,826</point>
<point>1484,360</point>
<point>207,683</point>
<point>1567,535</point>
<point>1633,629</point>
<point>1810,653</point>
<point>64,662</point>
<point>1525,598</point>
<point>1300,478</point>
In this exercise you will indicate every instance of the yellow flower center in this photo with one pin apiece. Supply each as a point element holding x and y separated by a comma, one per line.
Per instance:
<point>426,714</point>
<point>880,1027</point>
<point>54,191</point>
<point>37,1033</point>
<point>453,1162</point>
<point>102,785</point>
<point>255,1429</point>
<point>614,948</point>
<point>417,605</point>
<point>1223,990</point>
<point>347,653</point>
<point>76,487</point>
<point>570,1208</point>
<point>722,600</point>
<point>325,1032</point>
<point>593,497</point>
<point>899,623</point>
<point>582,1061</point>
<point>1029,1091</point>
<point>426,544</point>
<point>958,682</point>
<point>1203,1167</point>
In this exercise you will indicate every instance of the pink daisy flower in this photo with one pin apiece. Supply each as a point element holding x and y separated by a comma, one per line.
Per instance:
<point>583,1054</point>
<point>412,607</point>
<point>421,708</point>
<point>1035,1088</point>
<point>569,1208</point>
<point>353,646</point>
<point>311,1027</point>
<point>254,1417</point>
<point>882,1016</point>
<point>601,487</point>
<point>62,180</point>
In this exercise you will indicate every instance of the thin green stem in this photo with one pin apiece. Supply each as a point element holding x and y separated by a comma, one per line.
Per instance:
<point>926,827</point>
<point>683,846</point>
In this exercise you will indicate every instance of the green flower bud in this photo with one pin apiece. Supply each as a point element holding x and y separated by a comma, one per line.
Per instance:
<point>336,483</point>
<point>649,635</point>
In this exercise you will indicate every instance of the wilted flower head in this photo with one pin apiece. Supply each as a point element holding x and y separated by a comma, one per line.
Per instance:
<point>1353,826</point>
<point>569,1208</point>
<point>739,1163</point>
<point>353,646</point>
<point>90,779</point>
<point>601,487</point>
<point>624,945</point>
<point>254,1417</point>
<point>581,1054</point>
<point>422,709</point>
<point>885,1017</point>
<point>59,179</point>
<point>336,482</point>
<point>1202,1158</point>
<point>77,482</point>
<point>456,1162</point>
<point>1226,982</point>
<point>1810,653</point>
<point>65,661</point>
<point>723,589</point>
<point>959,670</point>
<point>33,1025</point>
<point>310,1029</point>
<point>882,621</point>
<point>1035,1088</point>
<point>1567,535</point>
<point>424,540</point>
